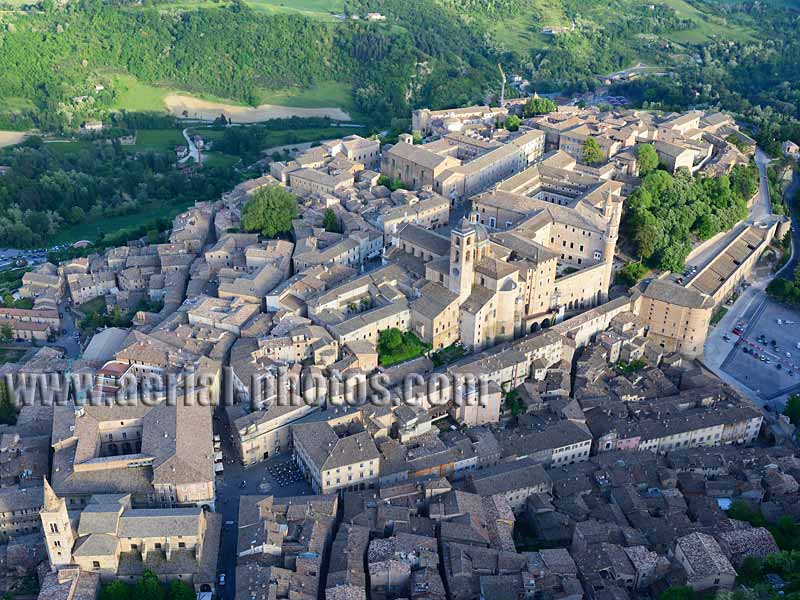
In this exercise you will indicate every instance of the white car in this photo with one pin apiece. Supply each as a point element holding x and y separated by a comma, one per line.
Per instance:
<point>222,579</point>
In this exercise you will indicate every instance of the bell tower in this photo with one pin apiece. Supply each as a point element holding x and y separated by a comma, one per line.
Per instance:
<point>57,528</point>
<point>463,249</point>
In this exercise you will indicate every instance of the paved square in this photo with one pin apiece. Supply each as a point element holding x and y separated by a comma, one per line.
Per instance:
<point>782,373</point>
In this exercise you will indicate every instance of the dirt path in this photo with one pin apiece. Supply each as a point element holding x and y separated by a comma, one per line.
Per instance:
<point>9,138</point>
<point>194,108</point>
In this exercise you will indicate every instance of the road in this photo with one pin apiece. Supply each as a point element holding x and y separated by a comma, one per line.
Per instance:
<point>193,151</point>
<point>787,271</point>
<point>762,208</point>
<point>759,211</point>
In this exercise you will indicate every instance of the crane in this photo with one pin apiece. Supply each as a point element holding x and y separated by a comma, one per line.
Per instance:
<point>502,86</point>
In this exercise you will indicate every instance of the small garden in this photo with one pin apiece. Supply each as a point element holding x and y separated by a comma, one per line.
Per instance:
<point>147,587</point>
<point>448,355</point>
<point>632,366</point>
<point>395,347</point>
<point>97,317</point>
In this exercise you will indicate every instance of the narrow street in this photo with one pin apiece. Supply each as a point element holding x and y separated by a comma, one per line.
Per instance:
<point>237,481</point>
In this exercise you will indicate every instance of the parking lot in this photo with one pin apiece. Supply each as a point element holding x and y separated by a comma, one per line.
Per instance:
<point>765,358</point>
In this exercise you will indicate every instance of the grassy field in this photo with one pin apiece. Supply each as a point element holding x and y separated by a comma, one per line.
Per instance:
<point>331,93</point>
<point>160,140</point>
<point>708,26</point>
<point>96,305</point>
<point>318,9</point>
<point>310,8</point>
<point>219,159</point>
<point>64,148</point>
<point>133,95</point>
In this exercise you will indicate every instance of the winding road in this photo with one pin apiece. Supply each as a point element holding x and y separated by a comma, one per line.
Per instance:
<point>193,151</point>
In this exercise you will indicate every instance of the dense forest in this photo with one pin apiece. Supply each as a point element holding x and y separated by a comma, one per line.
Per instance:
<point>231,51</point>
<point>45,190</point>
<point>429,52</point>
<point>58,65</point>
<point>758,80</point>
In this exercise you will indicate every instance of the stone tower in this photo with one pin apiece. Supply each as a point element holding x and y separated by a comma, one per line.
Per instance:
<point>612,212</point>
<point>57,528</point>
<point>463,249</point>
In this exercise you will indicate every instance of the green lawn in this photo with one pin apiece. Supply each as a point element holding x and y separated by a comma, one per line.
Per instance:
<point>718,314</point>
<point>208,133</point>
<point>95,305</point>
<point>218,159</point>
<point>318,9</point>
<point>708,26</point>
<point>411,347</point>
<point>160,140</point>
<point>64,148</point>
<point>311,8</point>
<point>322,95</point>
<point>133,95</point>
<point>448,355</point>
<point>522,32</point>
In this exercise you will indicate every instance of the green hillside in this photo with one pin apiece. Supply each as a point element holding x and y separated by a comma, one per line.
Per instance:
<point>60,65</point>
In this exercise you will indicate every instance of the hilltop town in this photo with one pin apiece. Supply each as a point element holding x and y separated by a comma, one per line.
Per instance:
<point>532,428</point>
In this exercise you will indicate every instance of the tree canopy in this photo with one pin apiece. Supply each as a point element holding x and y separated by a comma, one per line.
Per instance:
<point>512,122</point>
<point>666,211</point>
<point>592,153</point>
<point>331,222</point>
<point>647,157</point>
<point>270,211</point>
<point>538,106</point>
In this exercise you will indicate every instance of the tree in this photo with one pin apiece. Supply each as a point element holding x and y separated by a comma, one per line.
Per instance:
<point>148,587</point>
<point>630,273</point>
<point>6,333</point>
<point>270,211</point>
<point>390,339</point>
<point>647,157</point>
<point>331,222</point>
<point>512,122</point>
<point>677,593</point>
<point>592,153</point>
<point>750,570</point>
<point>178,590</point>
<point>792,408</point>
<point>8,412</point>
<point>116,590</point>
<point>538,106</point>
